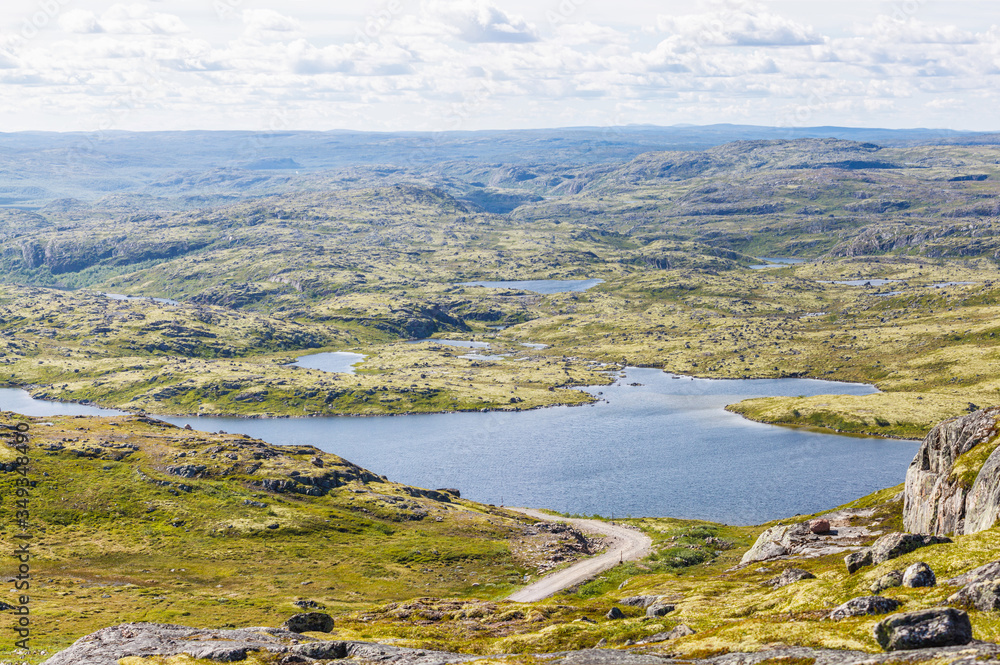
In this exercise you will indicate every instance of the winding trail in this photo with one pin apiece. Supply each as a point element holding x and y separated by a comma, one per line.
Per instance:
<point>623,545</point>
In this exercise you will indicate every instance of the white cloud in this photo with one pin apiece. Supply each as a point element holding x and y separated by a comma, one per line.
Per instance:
<point>269,25</point>
<point>138,19</point>
<point>887,29</point>
<point>478,22</point>
<point>79,21</point>
<point>739,24</point>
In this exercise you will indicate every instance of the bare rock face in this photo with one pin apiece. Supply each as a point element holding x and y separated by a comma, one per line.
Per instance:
<point>933,502</point>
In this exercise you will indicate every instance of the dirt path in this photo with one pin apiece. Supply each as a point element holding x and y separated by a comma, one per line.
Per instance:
<point>623,545</point>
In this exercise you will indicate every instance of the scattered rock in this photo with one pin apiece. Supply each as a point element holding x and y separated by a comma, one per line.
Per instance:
<point>919,575</point>
<point>984,596</point>
<point>990,571</point>
<point>894,545</point>
<point>890,546</point>
<point>887,581</point>
<point>862,606</point>
<point>767,546</point>
<point>789,576</point>
<point>858,560</point>
<point>819,526</point>
<point>934,627</point>
<point>307,604</point>
<point>309,622</point>
<point>614,613</point>
<point>679,631</point>
<point>659,609</point>
<point>639,601</point>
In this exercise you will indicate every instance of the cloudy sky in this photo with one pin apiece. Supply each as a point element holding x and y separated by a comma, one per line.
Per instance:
<point>486,64</point>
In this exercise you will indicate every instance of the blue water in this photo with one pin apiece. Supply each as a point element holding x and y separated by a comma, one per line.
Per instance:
<point>665,448</point>
<point>341,362</point>
<point>546,286</point>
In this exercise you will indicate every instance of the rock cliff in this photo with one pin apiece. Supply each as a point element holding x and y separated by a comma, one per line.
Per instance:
<point>950,487</point>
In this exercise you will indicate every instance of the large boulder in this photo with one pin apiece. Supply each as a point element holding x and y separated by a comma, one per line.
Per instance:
<point>891,579</point>
<point>789,576</point>
<point>767,546</point>
<point>658,610</point>
<point>989,571</point>
<point>919,575</point>
<point>935,500</point>
<point>984,596</point>
<point>309,622</point>
<point>890,546</point>
<point>862,606</point>
<point>934,627</point>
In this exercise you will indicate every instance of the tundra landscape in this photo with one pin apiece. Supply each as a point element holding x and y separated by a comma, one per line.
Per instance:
<point>184,275</point>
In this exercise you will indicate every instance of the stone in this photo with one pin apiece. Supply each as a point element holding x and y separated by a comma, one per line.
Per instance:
<point>767,546</point>
<point>658,610</point>
<point>680,631</point>
<point>919,575</point>
<point>937,503</point>
<point>789,576</point>
<point>984,596</point>
<point>819,526</point>
<point>863,606</point>
<point>896,544</point>
<point>309,622</point>
<point>887,581</point>
<point>614,613</point>
<point>990,571</point>
<point>639,601</point>
<point>858,560</point>
<point>934,627</point>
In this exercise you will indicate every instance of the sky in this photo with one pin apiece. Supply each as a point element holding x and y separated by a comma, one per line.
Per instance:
<point>433,65</point>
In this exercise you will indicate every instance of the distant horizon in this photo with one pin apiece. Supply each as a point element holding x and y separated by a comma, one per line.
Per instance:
<point>679,126</point>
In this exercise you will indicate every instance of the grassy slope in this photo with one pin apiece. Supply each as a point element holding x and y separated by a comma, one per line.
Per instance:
<point>118,537</point>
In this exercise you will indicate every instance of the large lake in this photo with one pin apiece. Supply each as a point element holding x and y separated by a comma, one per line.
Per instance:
<point>664,448</point>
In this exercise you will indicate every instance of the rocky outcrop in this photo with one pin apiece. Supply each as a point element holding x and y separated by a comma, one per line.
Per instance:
<point>934,500</point>
<point>890,546</point>
<point>934,627</point>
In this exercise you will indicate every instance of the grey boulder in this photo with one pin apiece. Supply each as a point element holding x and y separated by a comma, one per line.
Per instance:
<point>887,581</point>
<point>919,575</point>
<point>659,609</point>
<point>862,606</point>
<point>984,596</point>
<point>790,576</point>
<point>614,613</point>
<point>934,627</point>
<point>309,622</point>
